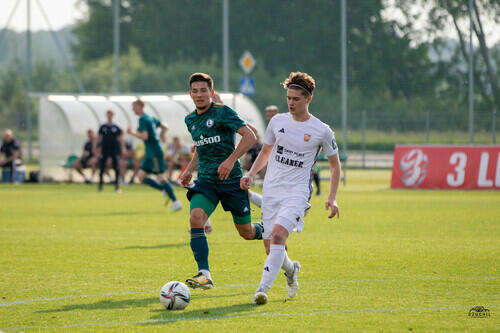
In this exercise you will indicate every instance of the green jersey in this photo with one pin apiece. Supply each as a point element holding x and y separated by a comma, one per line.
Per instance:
<point>152,144</point>
<point>213,133</point>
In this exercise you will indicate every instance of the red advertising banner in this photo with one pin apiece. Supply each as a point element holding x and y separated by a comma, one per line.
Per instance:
<point>446,167</point>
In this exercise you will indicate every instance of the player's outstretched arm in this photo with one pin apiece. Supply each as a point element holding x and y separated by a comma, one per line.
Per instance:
<point>186,176</point>
<point>248,138</point>
<point>331,202</point>
<point>163,133</point>
<point>143,135</point>
<point>252,127</point>
<point>259,163</point>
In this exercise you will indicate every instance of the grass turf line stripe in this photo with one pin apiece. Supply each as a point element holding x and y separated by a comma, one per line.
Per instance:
<point>49,299</point>
<point>251,315</point>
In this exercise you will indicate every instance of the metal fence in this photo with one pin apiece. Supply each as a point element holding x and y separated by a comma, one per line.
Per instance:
<point>369,133</point>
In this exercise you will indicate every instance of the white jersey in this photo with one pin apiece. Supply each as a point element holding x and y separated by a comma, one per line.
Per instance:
<point>296,148</point>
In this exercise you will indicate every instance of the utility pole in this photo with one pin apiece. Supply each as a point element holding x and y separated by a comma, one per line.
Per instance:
<point>343,34</point>
<point>116,44</point>
<point>225,43</point>
<point>471,77</point>
<point>28,81</point>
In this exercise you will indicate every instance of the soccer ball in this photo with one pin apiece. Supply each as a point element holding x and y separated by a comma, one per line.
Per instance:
<point>175,295</point>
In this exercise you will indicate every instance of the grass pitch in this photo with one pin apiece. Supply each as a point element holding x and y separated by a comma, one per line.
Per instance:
<point>74,260</point>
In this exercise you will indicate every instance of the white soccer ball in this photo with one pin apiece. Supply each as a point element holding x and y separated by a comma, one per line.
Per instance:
<point>175,295</point>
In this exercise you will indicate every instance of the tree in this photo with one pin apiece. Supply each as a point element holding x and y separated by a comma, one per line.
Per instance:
<point>457,12</point>
<point>293,35</point>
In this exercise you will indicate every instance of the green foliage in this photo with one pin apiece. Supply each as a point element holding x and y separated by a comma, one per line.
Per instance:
<point>74,260</point>
<point>12,96</point>
<point>292,36</point>
<point>163,42</point>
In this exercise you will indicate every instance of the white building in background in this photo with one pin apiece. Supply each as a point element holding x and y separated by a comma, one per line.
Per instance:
<point>65,119</point>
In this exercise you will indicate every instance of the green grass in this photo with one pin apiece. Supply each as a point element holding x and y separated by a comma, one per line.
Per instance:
<point>74,260</point>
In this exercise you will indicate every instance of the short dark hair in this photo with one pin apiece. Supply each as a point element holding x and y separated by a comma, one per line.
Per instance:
<point>201,77</point>
<point>299,80</point>
<point>140,102</point>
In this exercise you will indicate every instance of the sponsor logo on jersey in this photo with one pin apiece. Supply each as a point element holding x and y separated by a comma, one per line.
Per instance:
<point>414,167</point>
<point>282,130</point>
<point>207,141</point>
<point>209,123</point>
<point>279,149</point>
<point>307,137</point>
<point>288,161</point>
<point>334,145</point>
<point>192,128</point>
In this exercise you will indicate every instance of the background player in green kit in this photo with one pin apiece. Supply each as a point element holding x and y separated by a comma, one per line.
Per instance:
<point>213,127</point>
<point>153,161</point>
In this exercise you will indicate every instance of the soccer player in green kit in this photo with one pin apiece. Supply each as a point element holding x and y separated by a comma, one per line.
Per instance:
<point>153,161</point>
<point>213,127</point>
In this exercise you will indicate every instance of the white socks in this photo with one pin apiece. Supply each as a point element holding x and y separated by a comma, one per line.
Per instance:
<point>287,264</point>
<point>272,266</point>
<point>206,273</point>
<point>255,198</point>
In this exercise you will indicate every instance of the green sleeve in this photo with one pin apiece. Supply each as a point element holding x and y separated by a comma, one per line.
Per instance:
<point>142,125</point>
<point>231,119</point>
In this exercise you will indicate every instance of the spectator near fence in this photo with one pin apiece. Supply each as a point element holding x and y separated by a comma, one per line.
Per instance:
<point>178,156</point>
<point>129,161</point>
<point>88,157</point>
<point>11,151</point>
<point>271,111</point>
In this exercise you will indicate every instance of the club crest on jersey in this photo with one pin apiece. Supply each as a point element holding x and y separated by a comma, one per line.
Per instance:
<point>209,123</point>
<point>307,137</point>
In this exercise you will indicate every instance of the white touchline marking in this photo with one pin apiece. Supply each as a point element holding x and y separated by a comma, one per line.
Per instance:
<point>27,301</point>
<point>250,315</point>
<point>73,296</point>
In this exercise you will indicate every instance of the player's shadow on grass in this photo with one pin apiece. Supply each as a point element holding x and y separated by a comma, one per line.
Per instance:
<point>152,247</point>
<point>121,304</point>
<point>106,305</point>
<point>122,213</point>
<point>165,317</point>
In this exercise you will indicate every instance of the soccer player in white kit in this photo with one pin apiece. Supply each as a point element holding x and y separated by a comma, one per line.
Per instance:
<point>292,143</point>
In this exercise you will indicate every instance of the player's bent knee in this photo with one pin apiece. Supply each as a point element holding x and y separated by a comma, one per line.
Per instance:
<point>197,218</point>
<point>278,238</point>
<point>247,235</point>
<point>246,231</point>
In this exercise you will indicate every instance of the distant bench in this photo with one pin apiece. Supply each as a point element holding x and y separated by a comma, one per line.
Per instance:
<point>68,166</point>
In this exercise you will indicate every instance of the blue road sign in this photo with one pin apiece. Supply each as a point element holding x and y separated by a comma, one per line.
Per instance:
<point>247,86</point>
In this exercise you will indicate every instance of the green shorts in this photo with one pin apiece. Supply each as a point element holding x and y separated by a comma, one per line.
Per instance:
<point>154,165</point>
<point>231,196</point>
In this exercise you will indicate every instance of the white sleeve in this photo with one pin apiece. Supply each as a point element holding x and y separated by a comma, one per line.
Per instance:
<point>329,144</point>
<point>269,138</point>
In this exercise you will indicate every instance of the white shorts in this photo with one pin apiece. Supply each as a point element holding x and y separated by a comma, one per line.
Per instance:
<point>287,212</point>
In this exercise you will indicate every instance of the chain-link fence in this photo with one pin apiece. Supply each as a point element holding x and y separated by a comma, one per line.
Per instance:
<point>370,136</point>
